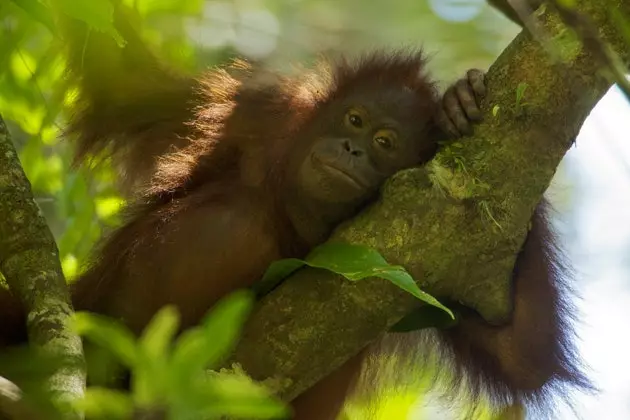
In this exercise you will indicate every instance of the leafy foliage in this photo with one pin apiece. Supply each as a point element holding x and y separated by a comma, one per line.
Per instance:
<point>169,375</point>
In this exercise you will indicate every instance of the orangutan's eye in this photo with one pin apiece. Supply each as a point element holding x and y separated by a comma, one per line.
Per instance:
<point>354,120</point>
<point>385,139</point>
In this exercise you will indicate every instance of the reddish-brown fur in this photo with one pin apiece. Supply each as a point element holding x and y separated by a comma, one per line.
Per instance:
<point>204,161</point>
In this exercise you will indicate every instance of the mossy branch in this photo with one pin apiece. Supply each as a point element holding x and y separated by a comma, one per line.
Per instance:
<point>29,261</point>
<point>456,224</point>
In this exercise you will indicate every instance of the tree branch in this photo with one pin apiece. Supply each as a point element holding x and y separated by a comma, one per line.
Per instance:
<point>457,232</point>
<point>29,261</point>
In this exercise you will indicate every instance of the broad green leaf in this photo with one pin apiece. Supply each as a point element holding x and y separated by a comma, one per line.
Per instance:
<point>158,334</point>
<point>354,262</point>
<point>151,378</point>
<point>277,271</point>
<point>109,334</point>
<point>187,361</point>
<point>205,346</point>
<point>225,321</point>
<point>238,396</point>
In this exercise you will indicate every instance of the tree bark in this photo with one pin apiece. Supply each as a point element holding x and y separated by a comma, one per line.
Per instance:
<point>456,231</point>
<point>29,261</point>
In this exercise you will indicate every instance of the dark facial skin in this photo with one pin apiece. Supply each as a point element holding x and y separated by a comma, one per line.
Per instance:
<point>365,141</point>
<point>371,137</point>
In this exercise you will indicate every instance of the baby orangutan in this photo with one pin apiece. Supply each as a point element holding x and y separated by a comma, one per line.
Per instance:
<point>237,168</point>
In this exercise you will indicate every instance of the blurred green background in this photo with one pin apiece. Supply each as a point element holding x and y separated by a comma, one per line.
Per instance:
<point>591,190</point>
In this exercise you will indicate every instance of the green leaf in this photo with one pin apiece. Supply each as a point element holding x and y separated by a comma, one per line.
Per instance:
<point>238,396</point>
<point>151,378</point>
<point>354,262</point>
<point>277,271</point>
<point>424,317</point>
<point>157,336</point>
<point>225,321</point>
<point>205,346</point>
<point>187,359</point>
<point>109,334</point>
